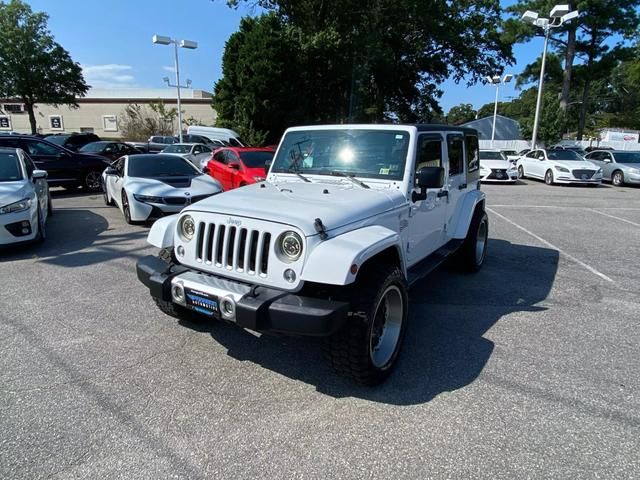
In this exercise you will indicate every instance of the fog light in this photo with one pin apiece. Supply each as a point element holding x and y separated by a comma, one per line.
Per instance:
<point>25,230</point>
<point>228,308</point>
<point>180,251</point>
<point>25,224</point>
<point>178,293</point>
<point>289,275</point>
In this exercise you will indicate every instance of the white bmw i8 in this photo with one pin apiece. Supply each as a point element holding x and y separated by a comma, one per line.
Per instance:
<point>152,185</point>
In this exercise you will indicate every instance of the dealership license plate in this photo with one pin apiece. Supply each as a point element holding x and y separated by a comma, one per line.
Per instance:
<point>202,302</point>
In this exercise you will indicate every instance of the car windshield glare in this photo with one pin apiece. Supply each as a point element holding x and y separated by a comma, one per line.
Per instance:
<point>565,155</point>
<point>178,149</point>
<point>628,157</point>
<point>9,167</point>
<point>256,159</point>
<point>160,166</point>
<point>363,153</point>
<point>57,139</point>
<point>491,155</point>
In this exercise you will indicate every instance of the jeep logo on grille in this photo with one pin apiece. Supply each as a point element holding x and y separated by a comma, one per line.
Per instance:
<point>234,221</point>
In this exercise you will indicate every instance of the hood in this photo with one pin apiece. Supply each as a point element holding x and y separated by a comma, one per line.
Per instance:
<point>173,186</point>
<point>300,203</point>
<point>495,164</point>
<point>11,192</point>
<point>575,165</point>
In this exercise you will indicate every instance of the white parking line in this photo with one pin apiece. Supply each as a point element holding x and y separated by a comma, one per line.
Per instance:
<point>548,244</point>
<point>560,207</point>
<point>613,216</point>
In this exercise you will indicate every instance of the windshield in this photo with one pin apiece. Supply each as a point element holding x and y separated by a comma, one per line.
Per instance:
<point>628,157</point>
<point>93,147</point>
<point>160,166</point>
<point>491,155</point>
<point>256,159</point>
<point>363,153</point>
<point>9,167</point>
<point>177,149</point>
<point>510,152</point>
<point>57,139</point>
<point>564,155</point>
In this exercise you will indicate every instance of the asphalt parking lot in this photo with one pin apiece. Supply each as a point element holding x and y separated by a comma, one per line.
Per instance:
<point>529,369</point>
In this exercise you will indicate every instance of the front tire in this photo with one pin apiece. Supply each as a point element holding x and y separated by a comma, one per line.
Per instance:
<point>617,178</point>
<point>367,347</point>
<point>521,174</point>
<point>548,177</point>
<point>105,196</point>
<point>42,230</point>
<point>126,209</point>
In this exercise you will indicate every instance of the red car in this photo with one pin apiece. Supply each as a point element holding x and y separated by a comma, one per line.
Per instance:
<point>235,167</point>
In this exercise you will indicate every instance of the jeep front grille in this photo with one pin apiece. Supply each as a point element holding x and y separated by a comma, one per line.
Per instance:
<point>233,248</point>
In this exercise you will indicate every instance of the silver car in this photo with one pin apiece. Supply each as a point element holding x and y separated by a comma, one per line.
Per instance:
<point>194,152</point>
<point>618,166</point>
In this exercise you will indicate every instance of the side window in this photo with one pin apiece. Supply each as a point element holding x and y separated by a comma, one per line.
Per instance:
<point>605,156</point>
<point>531,154</point>
<point>232,157</point>
<point>455,146</point>
<point>220,157</point>
<point>39,148</point>
<point>156,140</point>
<point>197,150</point>
<point>473,153</point>
<point>28,164</point>
<point>540,155</point>
<point>110,148</point>
<point>119,166</point>
<point>429,152</point>
<point>205,149</point>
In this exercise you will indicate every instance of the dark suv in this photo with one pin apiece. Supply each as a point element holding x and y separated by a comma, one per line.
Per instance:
<point>64,168</point>
<point>73,141</point>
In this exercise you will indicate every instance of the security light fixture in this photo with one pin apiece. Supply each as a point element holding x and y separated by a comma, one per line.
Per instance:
<point>570,16</point>
<point>496,81</point>
<point>559,11</point>
<point>161,40</point>
<point>507,78</point>
<point>188,44</point>
<point>529,16</point>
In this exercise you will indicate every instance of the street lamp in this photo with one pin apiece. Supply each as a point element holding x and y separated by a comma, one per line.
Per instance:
<point>497,81</point>
<point>559,15</point>
<point>162,40</point>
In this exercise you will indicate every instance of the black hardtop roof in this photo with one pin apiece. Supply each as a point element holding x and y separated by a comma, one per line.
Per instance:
<point>8,149</point>
<point>436,127</point>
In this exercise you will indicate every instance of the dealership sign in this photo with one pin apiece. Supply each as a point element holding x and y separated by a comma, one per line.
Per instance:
<point>5,122</point>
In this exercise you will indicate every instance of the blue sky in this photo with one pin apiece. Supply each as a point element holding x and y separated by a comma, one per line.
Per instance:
<point>111,39</point>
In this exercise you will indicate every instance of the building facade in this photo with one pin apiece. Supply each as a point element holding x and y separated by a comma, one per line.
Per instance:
<point>101,110</point>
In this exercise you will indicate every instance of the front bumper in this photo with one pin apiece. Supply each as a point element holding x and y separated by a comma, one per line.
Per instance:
<point>257,308</point>
<point>11,225</point>
<point>571,179</point>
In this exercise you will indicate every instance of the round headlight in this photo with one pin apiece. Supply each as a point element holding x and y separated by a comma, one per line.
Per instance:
<point>291,246</point>
<point>187,228</point>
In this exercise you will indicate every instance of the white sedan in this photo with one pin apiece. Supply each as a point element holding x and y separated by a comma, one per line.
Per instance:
<point>196,153</point>
<point>558,166</point>
<point>25,203</point>
<point>150,186</point>
<point>495,167</point>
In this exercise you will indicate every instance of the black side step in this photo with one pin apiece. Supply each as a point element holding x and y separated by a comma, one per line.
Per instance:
<point>427,265</point>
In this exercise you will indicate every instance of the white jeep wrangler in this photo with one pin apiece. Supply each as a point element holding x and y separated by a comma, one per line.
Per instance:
<point>348,218</point>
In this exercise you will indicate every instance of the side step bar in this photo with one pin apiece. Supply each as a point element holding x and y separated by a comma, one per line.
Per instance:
<point>427,265</point>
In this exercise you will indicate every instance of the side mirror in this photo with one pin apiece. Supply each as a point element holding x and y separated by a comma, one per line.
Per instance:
<point>205,170</point>
<point>234,165</point>
<point>427,177</point>
<point>607,160</point>
<point>38,174</point>
<point>111,171</point>
<point>267,167</point>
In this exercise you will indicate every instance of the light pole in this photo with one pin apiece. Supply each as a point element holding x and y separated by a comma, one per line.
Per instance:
<point>559,15</point>
<point>495,80</point>
<point>162,40</point>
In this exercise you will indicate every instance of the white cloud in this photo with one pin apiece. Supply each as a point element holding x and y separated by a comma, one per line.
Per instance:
<point>169,69</point>
<point>110,75</point>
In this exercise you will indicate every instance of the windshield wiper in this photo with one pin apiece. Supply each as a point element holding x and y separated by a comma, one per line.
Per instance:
<point>336,173</point>
<point>293,170</point>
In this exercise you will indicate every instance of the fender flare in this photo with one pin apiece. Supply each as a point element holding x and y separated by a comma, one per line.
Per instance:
<point>162,232</point>
<point>330,261</point>
<point>467,210</point>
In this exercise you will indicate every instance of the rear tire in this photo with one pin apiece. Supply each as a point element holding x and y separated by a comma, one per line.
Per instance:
<point>367,348</point>
<point>617,178</point>
<point>93,181</point>
<point>473,251</point>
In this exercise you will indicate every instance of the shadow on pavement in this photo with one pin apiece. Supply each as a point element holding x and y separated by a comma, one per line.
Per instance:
<point>69,232</point>
<point>444,348</point>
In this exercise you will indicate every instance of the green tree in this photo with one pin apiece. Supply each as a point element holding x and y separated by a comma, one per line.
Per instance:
<point>33,66</point>
<point>349,62</point>
<point>461,114</point>
<point>139,122</point>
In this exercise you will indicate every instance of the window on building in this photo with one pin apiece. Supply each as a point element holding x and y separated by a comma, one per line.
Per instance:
<point>13,108</point>
<point>86,130</point>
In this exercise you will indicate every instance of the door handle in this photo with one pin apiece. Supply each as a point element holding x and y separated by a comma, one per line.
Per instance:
<point>462,187</point>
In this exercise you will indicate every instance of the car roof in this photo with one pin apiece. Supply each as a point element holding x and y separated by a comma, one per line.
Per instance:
<point>421,127</point>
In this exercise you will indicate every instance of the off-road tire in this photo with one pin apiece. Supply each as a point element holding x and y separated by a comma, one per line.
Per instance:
<point>350,350</point>
<point>617,178</point>
<point>469,258</point>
